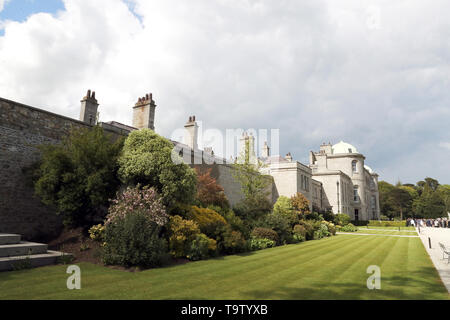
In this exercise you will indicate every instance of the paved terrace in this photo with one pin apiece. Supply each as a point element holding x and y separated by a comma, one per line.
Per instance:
<point>437,235</point>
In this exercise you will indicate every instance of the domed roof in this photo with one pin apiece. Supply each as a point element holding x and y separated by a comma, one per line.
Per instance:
<point>343,147</point>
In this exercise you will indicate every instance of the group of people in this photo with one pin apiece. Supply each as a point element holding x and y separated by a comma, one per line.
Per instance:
<point>431,223</point>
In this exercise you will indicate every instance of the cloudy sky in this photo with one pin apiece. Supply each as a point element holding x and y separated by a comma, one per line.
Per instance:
<point>375,74</point>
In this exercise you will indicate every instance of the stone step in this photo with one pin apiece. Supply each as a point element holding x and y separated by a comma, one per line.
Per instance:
<point>9,238</point>
<point>33,261</point>
<point>22,249</point>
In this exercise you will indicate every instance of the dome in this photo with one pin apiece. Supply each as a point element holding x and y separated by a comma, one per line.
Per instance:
<point>343,147</point>
<point>368,169</point>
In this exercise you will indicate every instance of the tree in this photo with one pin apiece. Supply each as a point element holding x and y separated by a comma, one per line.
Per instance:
<point>79,176</point>
<point>444,191</point>
<point>254,187</point>
<point>209,192</point>
<point>400,200</point>
<point>301,205</point>
<point>147,160</point>
<point>430,204</point>
<point>386,207</point>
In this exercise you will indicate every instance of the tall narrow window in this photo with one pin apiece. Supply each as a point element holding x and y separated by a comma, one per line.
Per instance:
<point>355,194</point>
<point>354,168</point>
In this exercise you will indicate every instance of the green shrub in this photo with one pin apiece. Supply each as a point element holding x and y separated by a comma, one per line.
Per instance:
<point>260,244</point>
<point>202,247</point>
<point>308,225</point>
<point>79,176</point>
<point>232,242</point>
<point>181,235</point>
<point>147,159</point>
<point>321,231</point>
<point>376,223</point>
<point>348,228</point>
<point>209,221</point>
<point>280,224</point>
<point>342,219</point>
<point>331,228</point>
<point>134,241</point>
<point>299,233</point>
<point>265,233</point>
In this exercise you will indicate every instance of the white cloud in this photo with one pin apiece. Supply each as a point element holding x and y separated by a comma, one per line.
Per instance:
<point>375,74</point>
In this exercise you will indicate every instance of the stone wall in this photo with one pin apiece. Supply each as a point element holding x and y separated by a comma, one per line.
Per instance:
<point>22,128</point>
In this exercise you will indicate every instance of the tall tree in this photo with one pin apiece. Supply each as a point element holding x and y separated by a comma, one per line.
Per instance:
<point>79,176</point>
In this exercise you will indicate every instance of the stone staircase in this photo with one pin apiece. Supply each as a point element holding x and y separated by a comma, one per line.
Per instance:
<point>16,254</point>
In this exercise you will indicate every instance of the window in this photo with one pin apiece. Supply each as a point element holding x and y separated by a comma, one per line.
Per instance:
<point>354,168</point>
<point>355,194</point>
<point>356,215</point>
<point>374,202</point>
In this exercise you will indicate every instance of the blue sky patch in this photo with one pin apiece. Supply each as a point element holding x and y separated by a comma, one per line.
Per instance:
<point>20,10</point>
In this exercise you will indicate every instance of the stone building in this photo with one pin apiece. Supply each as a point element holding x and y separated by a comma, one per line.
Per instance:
<point>335,179</point>
<point>350,186</point>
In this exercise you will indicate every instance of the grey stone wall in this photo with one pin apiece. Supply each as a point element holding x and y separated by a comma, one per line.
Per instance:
<point>22,128</point>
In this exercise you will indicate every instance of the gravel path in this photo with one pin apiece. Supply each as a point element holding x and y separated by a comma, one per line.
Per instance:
<point>437,235</point>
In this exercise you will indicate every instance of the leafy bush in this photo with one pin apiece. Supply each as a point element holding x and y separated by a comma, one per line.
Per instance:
<point>331,228</point>
<point>260,244</point>
<point>348,228</point>
<point>209,221</point>
<point>232,242</point>
<point>182,234</point>
<point>235,222</point>
<point>97,233</point>
<point>308,225</point>
<point>299,233</point>
<point>147,159</point>
<point>284,207</point>
<point>321,230</point>
<point>201,248</point>
<point>134,241</point>
<point>342,219</point>
<point>376,223</point>
<point>265,233</point>
<point>280,224</point>
<point>79,176</point>
<point>315,216</point>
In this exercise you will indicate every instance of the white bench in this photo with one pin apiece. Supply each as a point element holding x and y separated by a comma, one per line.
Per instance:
<point>445,251</point>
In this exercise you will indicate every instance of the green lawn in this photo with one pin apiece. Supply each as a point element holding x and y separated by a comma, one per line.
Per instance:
<point>387,232</point>
<point>332,268</point>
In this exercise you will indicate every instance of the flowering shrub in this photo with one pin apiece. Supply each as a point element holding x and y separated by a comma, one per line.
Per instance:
<point>97,233</point>
<point>145,200</point>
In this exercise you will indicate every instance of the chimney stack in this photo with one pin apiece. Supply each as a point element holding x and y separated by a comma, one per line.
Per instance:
<point>144,113</point>
<point>289,157</point>
<point>191,133</point>
<point>89,107</point>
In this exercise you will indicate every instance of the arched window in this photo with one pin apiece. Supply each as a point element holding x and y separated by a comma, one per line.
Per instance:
<point>354,167</point>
